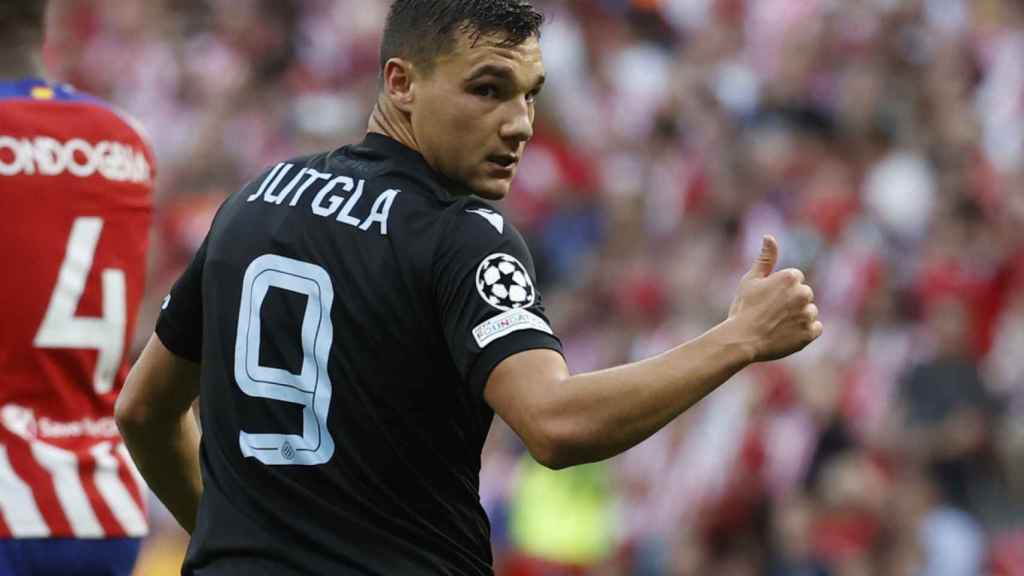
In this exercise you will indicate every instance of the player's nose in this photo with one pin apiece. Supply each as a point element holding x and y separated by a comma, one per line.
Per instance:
<point>518,126</point>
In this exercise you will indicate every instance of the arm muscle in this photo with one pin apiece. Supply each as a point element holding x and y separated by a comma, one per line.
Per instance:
<point>153,413</point>
<point>567,420</point>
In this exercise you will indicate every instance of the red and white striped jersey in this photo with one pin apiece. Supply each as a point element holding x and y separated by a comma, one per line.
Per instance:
<point>76,183</point>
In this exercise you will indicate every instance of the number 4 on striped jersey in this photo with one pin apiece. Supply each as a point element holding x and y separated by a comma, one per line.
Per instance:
<point>62,329</point>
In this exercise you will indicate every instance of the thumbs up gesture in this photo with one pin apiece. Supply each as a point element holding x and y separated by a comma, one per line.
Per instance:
<point>775,310</point>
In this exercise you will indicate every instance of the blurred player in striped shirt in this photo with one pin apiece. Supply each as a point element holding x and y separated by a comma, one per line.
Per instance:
<point>76,181</point>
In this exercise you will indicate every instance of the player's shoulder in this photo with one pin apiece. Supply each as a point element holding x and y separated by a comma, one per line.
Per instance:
<point>34,89</point>
<point>473,228</point>
<point>101,116</point>
<point>385,162</point>
<point>472,216</point>
<point>269,177</point>
<point>349,162</point>
<point>313,161</point>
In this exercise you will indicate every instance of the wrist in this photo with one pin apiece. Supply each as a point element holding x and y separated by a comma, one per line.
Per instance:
<point>738,341</point>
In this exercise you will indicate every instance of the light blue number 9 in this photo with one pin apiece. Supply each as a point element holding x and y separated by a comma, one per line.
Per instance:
<point>311,388</point>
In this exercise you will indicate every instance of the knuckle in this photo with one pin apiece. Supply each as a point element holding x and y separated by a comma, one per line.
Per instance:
<point>793,276</point>
<point>804,295</point>
<point>798,297</point>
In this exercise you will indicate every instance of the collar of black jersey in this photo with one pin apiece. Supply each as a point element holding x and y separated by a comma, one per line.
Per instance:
<point>447,188</point>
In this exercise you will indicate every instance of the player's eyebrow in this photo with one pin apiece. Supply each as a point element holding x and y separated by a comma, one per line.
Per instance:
<point>501,72</point>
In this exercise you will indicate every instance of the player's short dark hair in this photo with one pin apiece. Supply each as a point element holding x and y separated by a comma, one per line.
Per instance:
<point>22,21</point>
<point>423,30</point>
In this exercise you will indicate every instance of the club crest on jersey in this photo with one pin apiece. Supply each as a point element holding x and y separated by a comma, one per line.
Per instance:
<point>19,420</point>
<point>504,283</point>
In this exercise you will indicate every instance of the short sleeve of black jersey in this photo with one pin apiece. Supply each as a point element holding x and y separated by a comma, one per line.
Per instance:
<point>180,326</point>
<point>486,291</point>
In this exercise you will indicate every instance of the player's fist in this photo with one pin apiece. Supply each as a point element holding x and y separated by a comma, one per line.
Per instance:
<point>775,310</point>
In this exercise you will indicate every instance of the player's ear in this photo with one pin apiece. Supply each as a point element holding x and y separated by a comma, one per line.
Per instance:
<point>399,85</point>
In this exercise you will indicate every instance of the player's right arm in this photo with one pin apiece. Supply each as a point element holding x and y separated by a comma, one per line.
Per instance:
<point>154,416</point>
<point>153,409</point>
<point>566,420</point>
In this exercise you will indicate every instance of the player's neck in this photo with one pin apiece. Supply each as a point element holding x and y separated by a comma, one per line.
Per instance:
<point>17,63</point>
<point>388,120</point>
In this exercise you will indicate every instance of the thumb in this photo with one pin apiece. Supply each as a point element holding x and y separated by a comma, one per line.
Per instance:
<point>766,260</point>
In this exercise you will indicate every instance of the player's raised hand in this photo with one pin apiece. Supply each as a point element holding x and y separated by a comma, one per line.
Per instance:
<point>775,309</point>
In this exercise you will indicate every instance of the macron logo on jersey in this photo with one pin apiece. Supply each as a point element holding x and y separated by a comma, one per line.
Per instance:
<point>491,216</point>
<point>47,156</point>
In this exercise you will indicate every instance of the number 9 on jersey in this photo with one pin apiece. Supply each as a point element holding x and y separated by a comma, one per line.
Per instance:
<point>311,388</point>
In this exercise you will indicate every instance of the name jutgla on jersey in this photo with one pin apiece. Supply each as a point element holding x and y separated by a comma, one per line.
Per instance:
<point>336,196</point>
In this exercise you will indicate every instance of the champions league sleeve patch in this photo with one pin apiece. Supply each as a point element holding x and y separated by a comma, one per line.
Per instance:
<point>506,323</point>
<point>504,283</point>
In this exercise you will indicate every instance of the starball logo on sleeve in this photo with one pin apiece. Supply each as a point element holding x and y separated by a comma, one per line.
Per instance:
<point>504,283</point>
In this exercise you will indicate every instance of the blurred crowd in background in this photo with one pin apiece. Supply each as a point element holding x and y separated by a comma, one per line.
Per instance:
<point>881,141</point>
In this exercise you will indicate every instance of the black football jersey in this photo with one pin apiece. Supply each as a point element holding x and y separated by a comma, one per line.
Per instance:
<point>347,309</point>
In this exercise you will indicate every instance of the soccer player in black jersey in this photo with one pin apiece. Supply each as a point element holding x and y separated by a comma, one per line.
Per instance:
<point>354,319</point>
